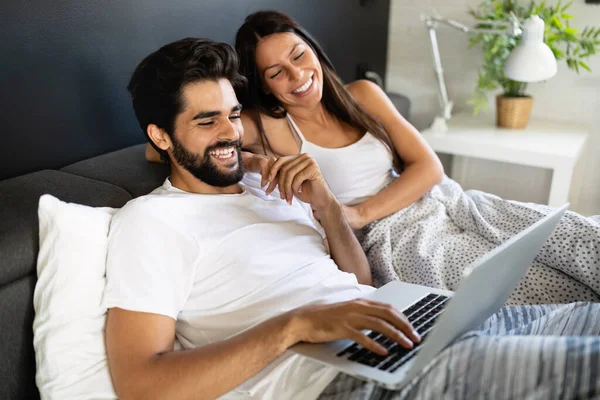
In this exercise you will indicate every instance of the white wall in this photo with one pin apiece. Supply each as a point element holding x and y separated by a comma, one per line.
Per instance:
<point>568,96</point>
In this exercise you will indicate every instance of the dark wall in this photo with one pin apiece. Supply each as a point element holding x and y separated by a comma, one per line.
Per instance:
<point>65,64</point>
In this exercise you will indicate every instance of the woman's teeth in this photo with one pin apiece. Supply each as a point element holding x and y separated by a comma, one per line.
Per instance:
<point>222,153</point>
<point>304,87</point>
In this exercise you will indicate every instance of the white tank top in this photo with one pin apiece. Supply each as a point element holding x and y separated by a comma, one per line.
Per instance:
<point>354,172</point>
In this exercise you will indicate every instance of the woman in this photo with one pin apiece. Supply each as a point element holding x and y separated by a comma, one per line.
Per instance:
<point>419,226</point>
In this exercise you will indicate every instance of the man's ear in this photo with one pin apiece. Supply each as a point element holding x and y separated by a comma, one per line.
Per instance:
<point>159,137</point>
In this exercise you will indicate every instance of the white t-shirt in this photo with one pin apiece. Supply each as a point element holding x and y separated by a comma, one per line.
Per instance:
<point>220,264</point>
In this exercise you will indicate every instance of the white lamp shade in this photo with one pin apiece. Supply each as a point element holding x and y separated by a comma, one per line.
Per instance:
<point>532,60</point>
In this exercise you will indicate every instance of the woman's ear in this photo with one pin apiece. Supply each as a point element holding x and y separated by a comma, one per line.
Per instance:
<point>160,138</point>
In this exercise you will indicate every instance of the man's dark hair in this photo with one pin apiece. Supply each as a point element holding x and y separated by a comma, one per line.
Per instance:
<point>157,82</point>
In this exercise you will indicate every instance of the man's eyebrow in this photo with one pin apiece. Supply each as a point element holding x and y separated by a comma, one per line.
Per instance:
<point>208,114</point>
<point>291,51</point>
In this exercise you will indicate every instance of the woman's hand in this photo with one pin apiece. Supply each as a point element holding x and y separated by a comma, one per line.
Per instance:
<point>355,216</point>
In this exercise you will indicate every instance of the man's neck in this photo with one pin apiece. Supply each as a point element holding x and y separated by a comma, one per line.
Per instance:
<point>185,181</point>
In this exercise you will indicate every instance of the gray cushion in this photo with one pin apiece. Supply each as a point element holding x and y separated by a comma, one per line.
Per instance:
<point>19,199</point>
<point>402,104</point>
<point>126,168</point>
<point>17,363</point>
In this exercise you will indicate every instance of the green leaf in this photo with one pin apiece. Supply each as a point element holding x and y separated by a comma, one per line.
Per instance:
<point>585,66</point>
<point>571,31</point>
<point>541,7</point>
<point>558,54</point>
<point>569,4</point>
<point>566,16</point>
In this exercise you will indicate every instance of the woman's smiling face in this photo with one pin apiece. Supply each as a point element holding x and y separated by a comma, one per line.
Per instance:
<point>289,69</point>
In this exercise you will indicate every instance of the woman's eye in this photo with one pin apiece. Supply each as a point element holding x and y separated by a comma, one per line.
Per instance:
<point>275,75</point>
<point>299,56</point>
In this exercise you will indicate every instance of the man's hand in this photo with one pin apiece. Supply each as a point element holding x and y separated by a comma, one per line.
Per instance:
<point>300,176</point>
<point>324,323</point>
<point>258,163</point>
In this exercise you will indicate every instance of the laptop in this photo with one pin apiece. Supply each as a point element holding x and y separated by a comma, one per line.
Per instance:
<point>440,316</point>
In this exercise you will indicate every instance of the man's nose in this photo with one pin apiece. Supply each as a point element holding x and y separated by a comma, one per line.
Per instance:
<point>230,132</point>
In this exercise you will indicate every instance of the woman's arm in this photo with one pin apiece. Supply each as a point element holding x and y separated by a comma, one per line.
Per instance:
<point>251,140</point>
<point>423,168</point>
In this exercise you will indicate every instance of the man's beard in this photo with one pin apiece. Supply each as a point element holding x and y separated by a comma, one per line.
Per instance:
<point>204,168</point>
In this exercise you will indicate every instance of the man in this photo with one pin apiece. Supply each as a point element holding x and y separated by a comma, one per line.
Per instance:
<point>234,272</point>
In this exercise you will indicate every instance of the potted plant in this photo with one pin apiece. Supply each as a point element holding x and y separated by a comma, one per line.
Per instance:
<point>569,44</point>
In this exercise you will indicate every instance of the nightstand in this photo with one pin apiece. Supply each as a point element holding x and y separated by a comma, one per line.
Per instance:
<point>544,144</point>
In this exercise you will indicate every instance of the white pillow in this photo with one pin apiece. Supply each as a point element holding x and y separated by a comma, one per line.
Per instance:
<point>69,320</point>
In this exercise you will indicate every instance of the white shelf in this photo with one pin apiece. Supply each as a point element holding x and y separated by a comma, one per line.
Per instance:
<point>544,144</point>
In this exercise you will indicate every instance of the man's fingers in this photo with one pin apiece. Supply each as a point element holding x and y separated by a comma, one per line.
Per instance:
<point>367,342</point>
<point>290,172</point>
<point>305,175</point>
<point>285,176</point>
<point>386,329</point>
<point>405,326</point>
<point>274,169</point>
<point>265,167</point>
<point>272,186</point>
<point>264,172</point>
<point>272,175</point>
<point>389,314</point>
<point>295,174</point>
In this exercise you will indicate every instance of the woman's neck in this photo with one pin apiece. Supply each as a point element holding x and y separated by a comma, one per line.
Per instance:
<point>317,115</point>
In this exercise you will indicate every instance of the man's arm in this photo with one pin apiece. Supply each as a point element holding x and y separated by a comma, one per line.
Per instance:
<point>344,248</point>
<point>143,365</point>
<point>300,176</point>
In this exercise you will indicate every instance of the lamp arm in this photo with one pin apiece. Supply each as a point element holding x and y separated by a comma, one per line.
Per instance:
<point>445,104</point>
<point>432,22</point>
<point>511,28</point>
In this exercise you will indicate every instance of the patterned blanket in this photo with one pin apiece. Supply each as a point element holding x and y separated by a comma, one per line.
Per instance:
<point>432,241</point>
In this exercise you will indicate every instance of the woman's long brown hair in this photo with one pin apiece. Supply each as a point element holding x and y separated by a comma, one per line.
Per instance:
<point>336,98</point>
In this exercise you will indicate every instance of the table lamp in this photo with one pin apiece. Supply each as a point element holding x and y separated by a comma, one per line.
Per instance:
<point>531,61</point>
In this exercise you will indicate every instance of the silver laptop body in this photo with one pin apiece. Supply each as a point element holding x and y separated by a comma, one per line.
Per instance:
<point>485,288</point>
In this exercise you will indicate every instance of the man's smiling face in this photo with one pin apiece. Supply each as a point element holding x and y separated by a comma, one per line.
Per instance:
<point>208,133</point>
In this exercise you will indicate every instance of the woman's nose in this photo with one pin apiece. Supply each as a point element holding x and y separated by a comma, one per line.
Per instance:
<point>296,73</point>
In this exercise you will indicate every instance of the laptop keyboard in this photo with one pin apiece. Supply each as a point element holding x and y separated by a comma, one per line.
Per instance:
<point>422,315</point>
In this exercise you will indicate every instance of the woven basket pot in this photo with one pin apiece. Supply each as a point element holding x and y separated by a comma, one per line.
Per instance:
<point>513,112</point>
